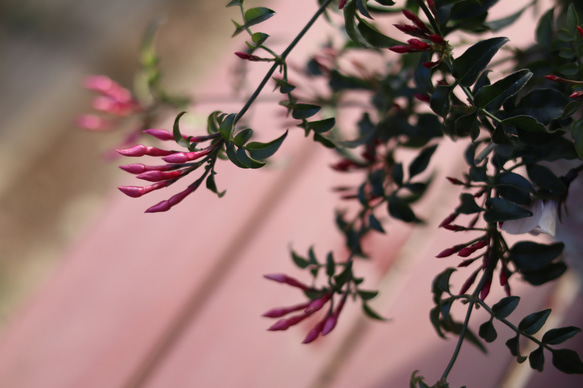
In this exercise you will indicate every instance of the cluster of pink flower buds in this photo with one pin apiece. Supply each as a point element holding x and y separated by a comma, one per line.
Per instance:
<point>430,41</point>
<point>112,99</point>
<point>178,164</point>
<point>323,327</point>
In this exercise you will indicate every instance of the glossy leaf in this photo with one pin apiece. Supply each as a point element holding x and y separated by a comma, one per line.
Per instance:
<point>474,60</point>
<point>257,15</point>
<point>243,136</point>
<point>526,123</point>
<point>262,151</point>
<point>304,111</point>
<point>468,204</point>
<point>532,323</point>
<point>420,163</point>
<point>500,209</point>
<point>544,178</point>
<point>493,96</point>
<point>560,335</point>
<point>322,126</point>
<point>299,261</point>
<point>440,100</point>
<point>505,306</point>
<point>371,313</point>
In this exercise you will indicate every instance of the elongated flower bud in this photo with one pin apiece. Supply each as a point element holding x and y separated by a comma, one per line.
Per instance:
<point>315,332</point>
<point>248,57</point>
<point>161,134</point>
<point>138,191</point>
<point>93,122</point>
<point>141,150</point>
<point>450,251</point>
<point>401,49</point>
<point>183,157</point>
<point>138,168</point>
<point>318,303</point>
<point>281,311</point>
<point>282,278</point>
<point>284,324</point>
<point>174,200</point>
<point>448,220</point>
<point>157,176</point>
<point>418,45</point>
<point>468,283</point>
<point>331,321</point>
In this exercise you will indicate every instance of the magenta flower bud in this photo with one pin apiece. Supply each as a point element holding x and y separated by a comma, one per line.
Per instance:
<point>411,16</point>
<point>160,134</point>
<point>172,201</point>
<point>248,57</point>
<point>401,49</point>
<point>580,30</point>
<point>138,191</point>
<point>465,263</point>
<point>281,311</point>
<point>183,157</point>
<point>141,150</point>
<point>282,278</point>
<point>454,181</point>
<point>411,30</point>
<point>437,39</point>
<point>315,332</point>
<point>331,321</point>
<point>454,228</point>
<point>468,283</point>
<point>422,97</point>
<point>157,176</point>
<point>486,288</point>
<point>552,77</point>
<point>448,220</point>
<point>136,168</point>
<point>318,303</point>
<point>342,4</point>
<point>431,65</point>
<point>450,251</point>
<point>418,45</point>
<point>576,94</point>
<point>284,324</point>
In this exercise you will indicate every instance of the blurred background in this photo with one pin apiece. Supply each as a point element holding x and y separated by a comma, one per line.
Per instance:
<point>54,177</point>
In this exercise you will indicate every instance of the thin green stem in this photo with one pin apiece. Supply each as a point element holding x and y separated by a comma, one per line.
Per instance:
<point>283,57</point>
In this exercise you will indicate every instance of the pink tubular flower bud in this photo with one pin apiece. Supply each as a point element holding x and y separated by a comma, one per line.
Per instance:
<point>93,122</point>
<point>138,168</point>
<point>160,134</point>
<point>580,30</point>
<point>315,332</point>
<point>486,288</point>
<point>248,57</point>
<point>183,157</point>
<point>138,191</point>
<point>284,324</point>
<point>430,65</point>
<point>282,278</point>
<point>468,283</point>
<point>411,30</point>
<point>281,311</point>
<point>448,220</point>
<point>576,94</point>
<point>342,4</point>
<point>157,176</point>
<point>454,181</point>
<point>174,200</point>
<point>411,16</point>
<point>467,251</point>
<point>318,303</point>
<point>331,321</point>
<point>141,150</point>
<point>437,39</point>
<point>422,97</point>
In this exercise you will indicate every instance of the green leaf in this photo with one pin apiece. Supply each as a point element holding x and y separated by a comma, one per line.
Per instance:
<point>487,331</point>
<point>526,123</point>
<point>546,180</point>
<point>234,3</point>
<point>350,25</point>
<point>567,361</point>
<point>514,347</point>
<point>243,137</point>
<point>544,30</point>
<point>474,60</point>
<point>363,8</point>
<point>330,265</point>
<point>212,186</point>
<point>299,261</point>
<point>534,322</point>
<point>546,274</point>
<point>531,256</point>
<point>178,138</point>
<point>257,15</point>
<point>367,295</point>
<point>467,125</point>
<point>374,37</point>
<point>259,38</point>
<point>514,187</point>
<point>375,224</point>
<point>227,126</point>
<point>304,111</point>
<point>420,163</point>
<point>434,315</point>
<point>262,151</point>
<point>233,157</point>
<point>371,313</point>
<point>505,306</point>
<point>440,100</point>
<point>577,135</point>
<point>322,126</point>
<point>493,96</point>
<point>284,86</point>
<point>399,209</point>
<point>441,284</point>
<point>560,335</point>
<point>343,276</point>
<point>397,174</point>
<point>312,256</point>
<point>537,359</point>
<point>468,204</point>
<point>500,209</point>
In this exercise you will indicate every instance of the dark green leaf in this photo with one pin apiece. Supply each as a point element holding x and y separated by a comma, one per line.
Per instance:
<point>227,126</point>
<point>546,180</point>
<point>343,276</point>
<point>543,105</point>
<point>560,335</point>
<point>500,209</point>
<point>284,86</point>
<point>400,210</point>
<point>493,96</point>
<point>567,361</point>
<point>537,359</point>
<point>441,284</point>
<point>467,125</point>
<point>526,123</point>
<point>299,261</point>
<point>530,256</point>
<point>262,151</point>
<point>243,136</point>
<point>505,306</point>
<point>363,8</point>
<point>514,187</point>
<point>322,126</point>
<point>339,82</point>
<point>371,313</point>
<point>487,331</point>
<point>234,3</point>
<point>474,60</point>
<point>577,135</point>
<point>439,101</point>
<point>468,204</point>
<point>304,111</point>
<point>434,316</point>
<point>257,15</point>
<point>534,322</point>
<point>350,25</point>
<point>546,274</point>
<point>233,157</point>
<point>312,256</point>
<point>326,142</point>
<point>248,161</point>
<point>367,295</point>
<point>375,224</point>
<point>212,186</point>
<point>330,265</point>
<point>259,37</point>
<point>514,347</point>
<point>178,138</point>
<point>544,30</point>
<point>420,163</point>
<point>374,37</point>
<point>398,174</point>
